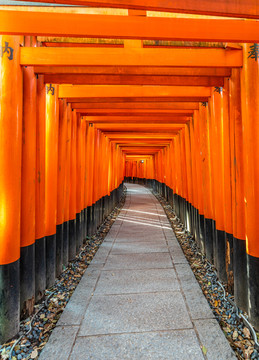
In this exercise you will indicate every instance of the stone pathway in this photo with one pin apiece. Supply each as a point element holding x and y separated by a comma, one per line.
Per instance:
<point>138,300</point>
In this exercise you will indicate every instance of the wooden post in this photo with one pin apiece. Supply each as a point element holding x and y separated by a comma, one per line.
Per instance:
<point>61,175</point>
<point>40,202</point>
<point>218,174</point>
<point>250,114</point>
<point>52,124</point>
<point>10,185</point>
<point>79,237</point>
<point>67,187</point>
<point>72,189</point>
<point>27,264</point>
<point>238,204</point>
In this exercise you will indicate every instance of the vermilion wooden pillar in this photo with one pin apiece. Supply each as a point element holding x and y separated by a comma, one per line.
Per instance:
<point>83,155</point>
<point>184,176</point>
<point>61,174</point>
<point>27,265</point>
<point>238,204</point>
<point>96,178</point>
<point>89,177</point>
<point>10,185</point>
<point>67,187</point>
<point>72,188</point>
<point>40,242</point>
<point>213,171</point>
<point>227,187</point>
<point>198,166</point>
<point>206,180</point>
<point>189,178</point>
<point>79,237</point>
<point>52,125</point>
<point>193,175</point>
<point>85,177</point>
<point>217,115</point>
<point>250,115</point>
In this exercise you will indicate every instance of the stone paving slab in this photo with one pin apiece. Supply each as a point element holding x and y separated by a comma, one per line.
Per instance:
<point>138,299</point>
<point>60,343</point>
<point>139,261</point>
<point>187,278</point>
<point>113,314</point>
<point>178,256</point>
<point>167,345</point>
<point>138,247</point>
<point>136,281</point>
<point>151,238</point>
<point>214,340</point>
<point>198,305</point>
<point>78,302</point>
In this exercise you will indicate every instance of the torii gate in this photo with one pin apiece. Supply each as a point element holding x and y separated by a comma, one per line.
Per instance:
<point>187,111</point>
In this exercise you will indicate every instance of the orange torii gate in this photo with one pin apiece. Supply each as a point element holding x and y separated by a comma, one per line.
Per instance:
<point>181,118</point>
<point>207,7</point>
<point>178,57</point>
<point>132,27</point>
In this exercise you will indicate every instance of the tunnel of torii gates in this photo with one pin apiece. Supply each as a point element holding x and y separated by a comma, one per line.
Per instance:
<point>175,106</point>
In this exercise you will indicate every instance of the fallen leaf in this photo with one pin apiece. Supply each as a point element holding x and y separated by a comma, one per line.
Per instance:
<point>204,350</point>
<point>235,335</point>
<point>248,352</point>
<point>246,333</point>
<point>4,356</point>
<point>34,354</point>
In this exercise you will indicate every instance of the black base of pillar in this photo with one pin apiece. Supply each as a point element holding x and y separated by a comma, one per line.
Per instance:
<point>253,290</point>
<point>97,214</point>
<point>72,240</point>
<point>102,209</point>
<point>106,206</point>
<point>59,249</point>
<point>40,268</point>
<point>214,236</point>
<point>208,241</point>
<point>50,260</point>
<point>221,255</point>
<point>9,300</point>
<point>191,218</point>
<point>240,273</point>
<point>202,232</point>
<point>82,217</point>
<point>65,242</point>
<point>89,218</point>
<point>229,262</point>
<point>197,228</point>
<point>188,216</point>
<point>181,208</point>
<point>79,237</point>
<point>85,225</point>
<point>27,279</point>
<point>176,207</point>
<point>93,218</point>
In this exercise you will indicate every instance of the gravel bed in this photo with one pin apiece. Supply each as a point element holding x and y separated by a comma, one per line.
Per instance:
<point>237,333</point>
<point>35,331</point>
